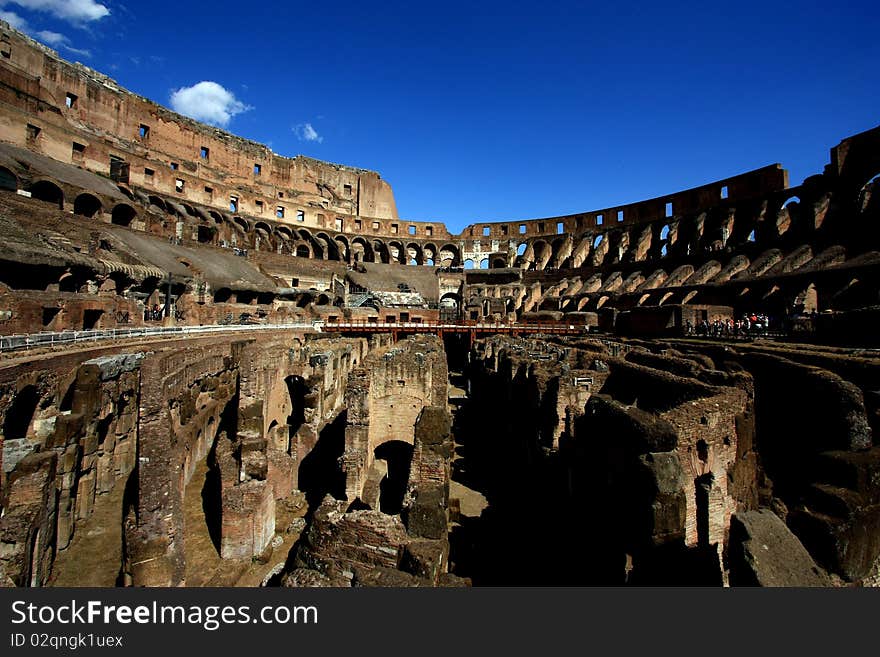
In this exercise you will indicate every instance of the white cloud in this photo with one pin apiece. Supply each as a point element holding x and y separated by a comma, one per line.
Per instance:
<point>51,38</point>
<point>57,40</point>
<point>305,132</point>
<point>14,20</point>
<point>74,11</point>
<point>207,101</point>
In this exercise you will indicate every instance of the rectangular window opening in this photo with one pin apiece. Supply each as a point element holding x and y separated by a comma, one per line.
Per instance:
<point>338,223</point>
<point>724,192</point>
<point>560,228</point>
<point>70,100</point>
<point>78,150</point>
<point>357,224</point>
<point>347,189</point>
<point>33,132</point>
<point>233,204</point>
<point>486,231</point>
<point>375,225</point>
<point>148,174</point>
<point>599,219</point>
<point>300,215</point>
<point>619,215</point>
<point>412,230</point>
<point>429,231</point>
<point>175,166</point>
<point>204,152</point>
<point>144,131</point>
<point>669,209</point>
<point>178,185</point>
<point>522,229</point>
<point>259,205</point>
<point>394,229</point>
<point>279,212</point>
<point>258,169</point>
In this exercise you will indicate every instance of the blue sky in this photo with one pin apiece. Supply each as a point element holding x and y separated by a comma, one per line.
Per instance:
<point>485,111</point>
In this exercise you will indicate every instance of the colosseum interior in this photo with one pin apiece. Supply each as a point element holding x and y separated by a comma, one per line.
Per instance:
<point>220,366</point>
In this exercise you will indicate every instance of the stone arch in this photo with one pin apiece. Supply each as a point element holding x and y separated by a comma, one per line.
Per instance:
<point>396,252</point>
<point>362,251</point>
<point>46,190</point>
<point>123,214</point>
<point>303,251</point>
<point>429,252</point>
<point>328,246</point>
<point>242,223</point>
<point>788,213</point>
<point>450,256</point>
<point>499,263</point>
<point>414,254</point>
<point>86,205</point>
<point>8,180</point>
<point>543,253</point>
<point>397,458</point>
<point>343,248</point>
<point>205,234</point>
<point>284,233</point>
<point>468,264</point>
<point>382,254</point>
<point>159,202</point>
<point>484,263</point>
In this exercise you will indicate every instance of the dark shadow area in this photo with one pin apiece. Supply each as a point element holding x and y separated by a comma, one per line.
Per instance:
<point>319,471</point>
<point>398,455</point>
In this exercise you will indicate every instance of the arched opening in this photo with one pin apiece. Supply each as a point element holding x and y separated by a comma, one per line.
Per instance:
<point>498,263</point>
<point>664,232</point>
<point>206,234</point>
<point>787,214</point>
<point>361,250</point>
<point>751,236</point>
<point>159,203</point>
<point>223,295</point>
<point>703,491</point>
<point>521,249</point>
<point>330,247</point>
<point>86,205</point>
<point>397,456</point>
<point>341,247</point>
<point>48,192</point>
<point>8,180</point>
<point>450,305</point>
<point>302,251</point>
<point>449,256</point>
<point>597,241</point>
<point>468,264</point>
<point>484,263</point>
<point>241,223</point>
<point>123,214</point>
<point>319,473</point>
<point>20,413</point>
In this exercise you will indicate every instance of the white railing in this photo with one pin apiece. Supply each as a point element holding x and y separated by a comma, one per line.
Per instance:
<point>32,340</point>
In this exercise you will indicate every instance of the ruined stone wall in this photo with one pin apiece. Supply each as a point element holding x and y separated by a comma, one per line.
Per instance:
<point>82,106</point>
<point>385,397</point>
<point>71,424</point>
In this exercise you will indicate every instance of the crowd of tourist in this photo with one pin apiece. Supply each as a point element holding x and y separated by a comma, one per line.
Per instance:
<point>749,325</point>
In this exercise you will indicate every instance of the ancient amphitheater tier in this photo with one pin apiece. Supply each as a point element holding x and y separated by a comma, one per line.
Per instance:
<point>221,366</point>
